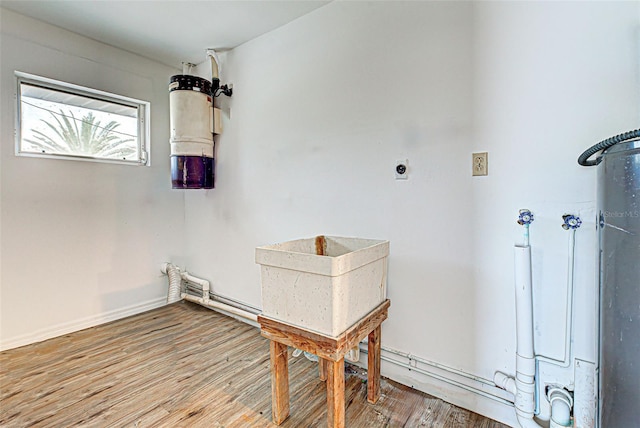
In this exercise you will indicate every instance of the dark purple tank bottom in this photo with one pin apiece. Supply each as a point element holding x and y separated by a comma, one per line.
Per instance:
<point>192,172</point>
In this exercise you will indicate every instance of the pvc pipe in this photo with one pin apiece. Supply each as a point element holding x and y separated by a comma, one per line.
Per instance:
<point>410,367</point>
<point>443,379</point>
<point>201,282</point>
<point>524,385</point>
<point>525,381</point>
<point>561,403</point>
<point>234,303</point>
<point>213,304</point>
<point>561,414</point>
<point>215,68</point>
<point>524,398</point>
<point>505,382</point>
<point>187,67</point>
<point>439,366</point>
<point>526,422</point>
<point>221,306</point>
<point>175,279</point>
<point>525,362</point>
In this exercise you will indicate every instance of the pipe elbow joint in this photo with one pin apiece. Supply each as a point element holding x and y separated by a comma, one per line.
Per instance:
<point>505,382</point>
<point>561,403</point>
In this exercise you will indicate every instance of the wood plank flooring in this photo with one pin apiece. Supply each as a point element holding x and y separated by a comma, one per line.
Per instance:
<point>187,366</point>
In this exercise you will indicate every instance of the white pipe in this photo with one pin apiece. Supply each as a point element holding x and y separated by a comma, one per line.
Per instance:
<point>505,382</point>
<point>213,304</point>
<point>215,67</point>
<point>561,403</point>
<point>221,306</point>
<point>524,385</point>
<point>441,378</point>
<point>201,282</point>
<point>525,361</point>
<point>526,422</point>
<point>561,413</point>
<point>524,395</point>
<point>187,68</point>
<point>175,279</point>
<point>439,366</point>
<point>412,367</point>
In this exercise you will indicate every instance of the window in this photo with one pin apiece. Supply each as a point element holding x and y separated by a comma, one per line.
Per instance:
<point>61,120</point>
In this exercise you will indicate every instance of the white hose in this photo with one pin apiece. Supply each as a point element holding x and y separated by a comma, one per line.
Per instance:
<point>175,281</point>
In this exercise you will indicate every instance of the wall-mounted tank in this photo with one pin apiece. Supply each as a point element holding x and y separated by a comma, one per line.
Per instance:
<point>191,121</point>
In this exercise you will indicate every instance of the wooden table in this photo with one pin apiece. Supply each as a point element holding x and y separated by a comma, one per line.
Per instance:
<point>331,352</point>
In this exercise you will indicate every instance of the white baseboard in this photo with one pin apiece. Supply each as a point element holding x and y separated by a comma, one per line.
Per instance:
<point>496,410</point>
<point>80,324</point>
<point>453,386</point>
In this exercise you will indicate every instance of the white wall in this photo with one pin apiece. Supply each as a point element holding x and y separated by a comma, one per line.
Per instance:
<point>550,79</point>
<point>324,106</point>
<point>322,109</point>
<point>82,242</point>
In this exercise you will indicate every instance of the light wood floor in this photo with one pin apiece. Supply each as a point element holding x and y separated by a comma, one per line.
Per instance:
<point>187,366</point>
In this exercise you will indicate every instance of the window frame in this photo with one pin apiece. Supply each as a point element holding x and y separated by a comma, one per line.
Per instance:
<point>143,113</point>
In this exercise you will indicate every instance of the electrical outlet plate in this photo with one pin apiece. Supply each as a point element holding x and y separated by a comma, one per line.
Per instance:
<point>402,169</point>
<point>480,164</point>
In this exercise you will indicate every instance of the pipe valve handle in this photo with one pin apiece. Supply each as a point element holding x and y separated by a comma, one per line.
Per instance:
<point>525,217</point>
<point>571,222</point>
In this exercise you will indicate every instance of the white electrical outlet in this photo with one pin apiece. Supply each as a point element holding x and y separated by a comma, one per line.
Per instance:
<point>480,164</point>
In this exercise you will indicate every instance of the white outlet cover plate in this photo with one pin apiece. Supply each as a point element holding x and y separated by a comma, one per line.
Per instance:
<point>485,160</point>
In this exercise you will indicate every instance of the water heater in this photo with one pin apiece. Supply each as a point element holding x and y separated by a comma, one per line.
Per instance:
<point>619,233</point>
<point>192,126</point>
<point>618,171</point>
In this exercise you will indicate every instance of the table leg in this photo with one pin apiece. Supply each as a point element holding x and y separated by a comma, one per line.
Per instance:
<point>335,394</point>
<point>322,368</point>
<point>373,367</point>
<point>279,382</point>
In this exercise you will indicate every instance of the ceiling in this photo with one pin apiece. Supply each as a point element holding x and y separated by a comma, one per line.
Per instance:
<point>168,31</point>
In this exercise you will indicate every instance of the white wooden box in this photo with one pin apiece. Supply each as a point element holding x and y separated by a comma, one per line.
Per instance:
<point>325,293</point>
